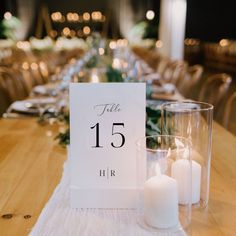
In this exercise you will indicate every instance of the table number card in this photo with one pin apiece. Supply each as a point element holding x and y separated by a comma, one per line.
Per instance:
<point>105,121</point>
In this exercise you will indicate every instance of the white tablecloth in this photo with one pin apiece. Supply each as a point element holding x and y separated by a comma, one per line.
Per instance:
<point>58,219</point>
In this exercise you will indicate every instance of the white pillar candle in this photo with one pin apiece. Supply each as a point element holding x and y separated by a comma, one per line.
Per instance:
<point>180,171</point>
<point>161,201</point>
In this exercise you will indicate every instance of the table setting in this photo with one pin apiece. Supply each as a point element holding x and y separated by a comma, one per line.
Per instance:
<point>135,165</point>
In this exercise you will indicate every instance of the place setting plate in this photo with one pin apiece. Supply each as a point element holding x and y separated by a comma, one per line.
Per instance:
<point>30,106</point>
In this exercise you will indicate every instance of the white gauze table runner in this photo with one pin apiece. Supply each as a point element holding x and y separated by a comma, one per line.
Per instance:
<point>58,219</point>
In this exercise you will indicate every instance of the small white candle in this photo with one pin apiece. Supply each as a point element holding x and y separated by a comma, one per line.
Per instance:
<point>161,201</point>
<point>180,171</point>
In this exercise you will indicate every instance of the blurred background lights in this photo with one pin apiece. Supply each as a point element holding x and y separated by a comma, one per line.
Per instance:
<point>7,15</point>
<point>224,42</point>
<point>86,30</point>
<point>150,14</point>
<point>159,44</point>
<point>86,16</point>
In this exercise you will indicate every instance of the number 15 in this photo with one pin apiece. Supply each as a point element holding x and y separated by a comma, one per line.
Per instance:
<point>113,133</point>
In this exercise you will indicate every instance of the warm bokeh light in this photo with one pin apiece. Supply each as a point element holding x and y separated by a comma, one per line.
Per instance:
<point>34,66</point>
<point>86,30</point>
<point>66,31</point>
<point>7,15</point>
<point>116,64</point>
<point>96,15</point>
<point>159,43</point>
<point>56,16</point>
<point>150,14</point>
<point>122,42</point>
<point>101,51</point>
<point>191,42</point>
<point>75,17</point>
<point>69,16</point>
<point>25,65</point>
<point>94,77</point>
<point>23,45</point>
<point>86,16</point>
<point>224,42</point>
<point>112,45</point>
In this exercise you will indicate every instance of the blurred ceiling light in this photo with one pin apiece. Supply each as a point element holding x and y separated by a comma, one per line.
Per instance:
<point>70,16</point>
<point>7,15</point>
<point>116,64</point>
<point>122,42</point>
<point>75,17</point>
<point>101,51</point>
<point>86,30</point>
<point>34,66</point>
<point>150,14</point>
<point>86,16</point>
<point>56,16</point>
<point>66,31</point>
<point>191,42</point>
<point>224,42</point>
<point>24,45</point>
<point>96,15</point>
<point>159,43</point>
<point>53,33</point>
<point>112,44</point>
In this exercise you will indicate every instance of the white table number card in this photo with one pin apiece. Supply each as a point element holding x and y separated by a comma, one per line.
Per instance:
<point>106,119</point>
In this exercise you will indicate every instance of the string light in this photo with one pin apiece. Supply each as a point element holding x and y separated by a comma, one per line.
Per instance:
<point>159,44</point>
<point>150,14</point>
<point>86,30</point>
<point>86,16</point>
<point>112,45</point>
<point>66,31</point>
<point>224,42</point>
<point>56,16</point>
<point>7,15</point>
<point>96,15</point>
<point>101,51</point>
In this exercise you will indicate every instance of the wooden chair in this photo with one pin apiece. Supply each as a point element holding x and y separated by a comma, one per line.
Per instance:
<point>214,89</point>
<point>174,71</point>
<point>230,114</point>
<point>44,71</point>
<point>5,100</point>
<point>162,65</point>
<point>13,84</point>
<point>35,72</point>
<point>190,80</point>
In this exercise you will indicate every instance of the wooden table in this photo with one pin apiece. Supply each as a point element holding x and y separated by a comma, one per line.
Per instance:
<point>31,166</point>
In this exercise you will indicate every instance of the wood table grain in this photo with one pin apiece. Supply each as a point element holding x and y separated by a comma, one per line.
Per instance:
<point>31,165</point>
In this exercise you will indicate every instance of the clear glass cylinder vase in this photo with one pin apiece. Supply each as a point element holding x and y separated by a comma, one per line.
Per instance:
<point>164,182</point>
<point>193,120</point>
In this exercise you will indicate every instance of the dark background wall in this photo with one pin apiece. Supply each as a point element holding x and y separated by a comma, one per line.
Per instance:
<point>208,20</point>
<point>211,20</point>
